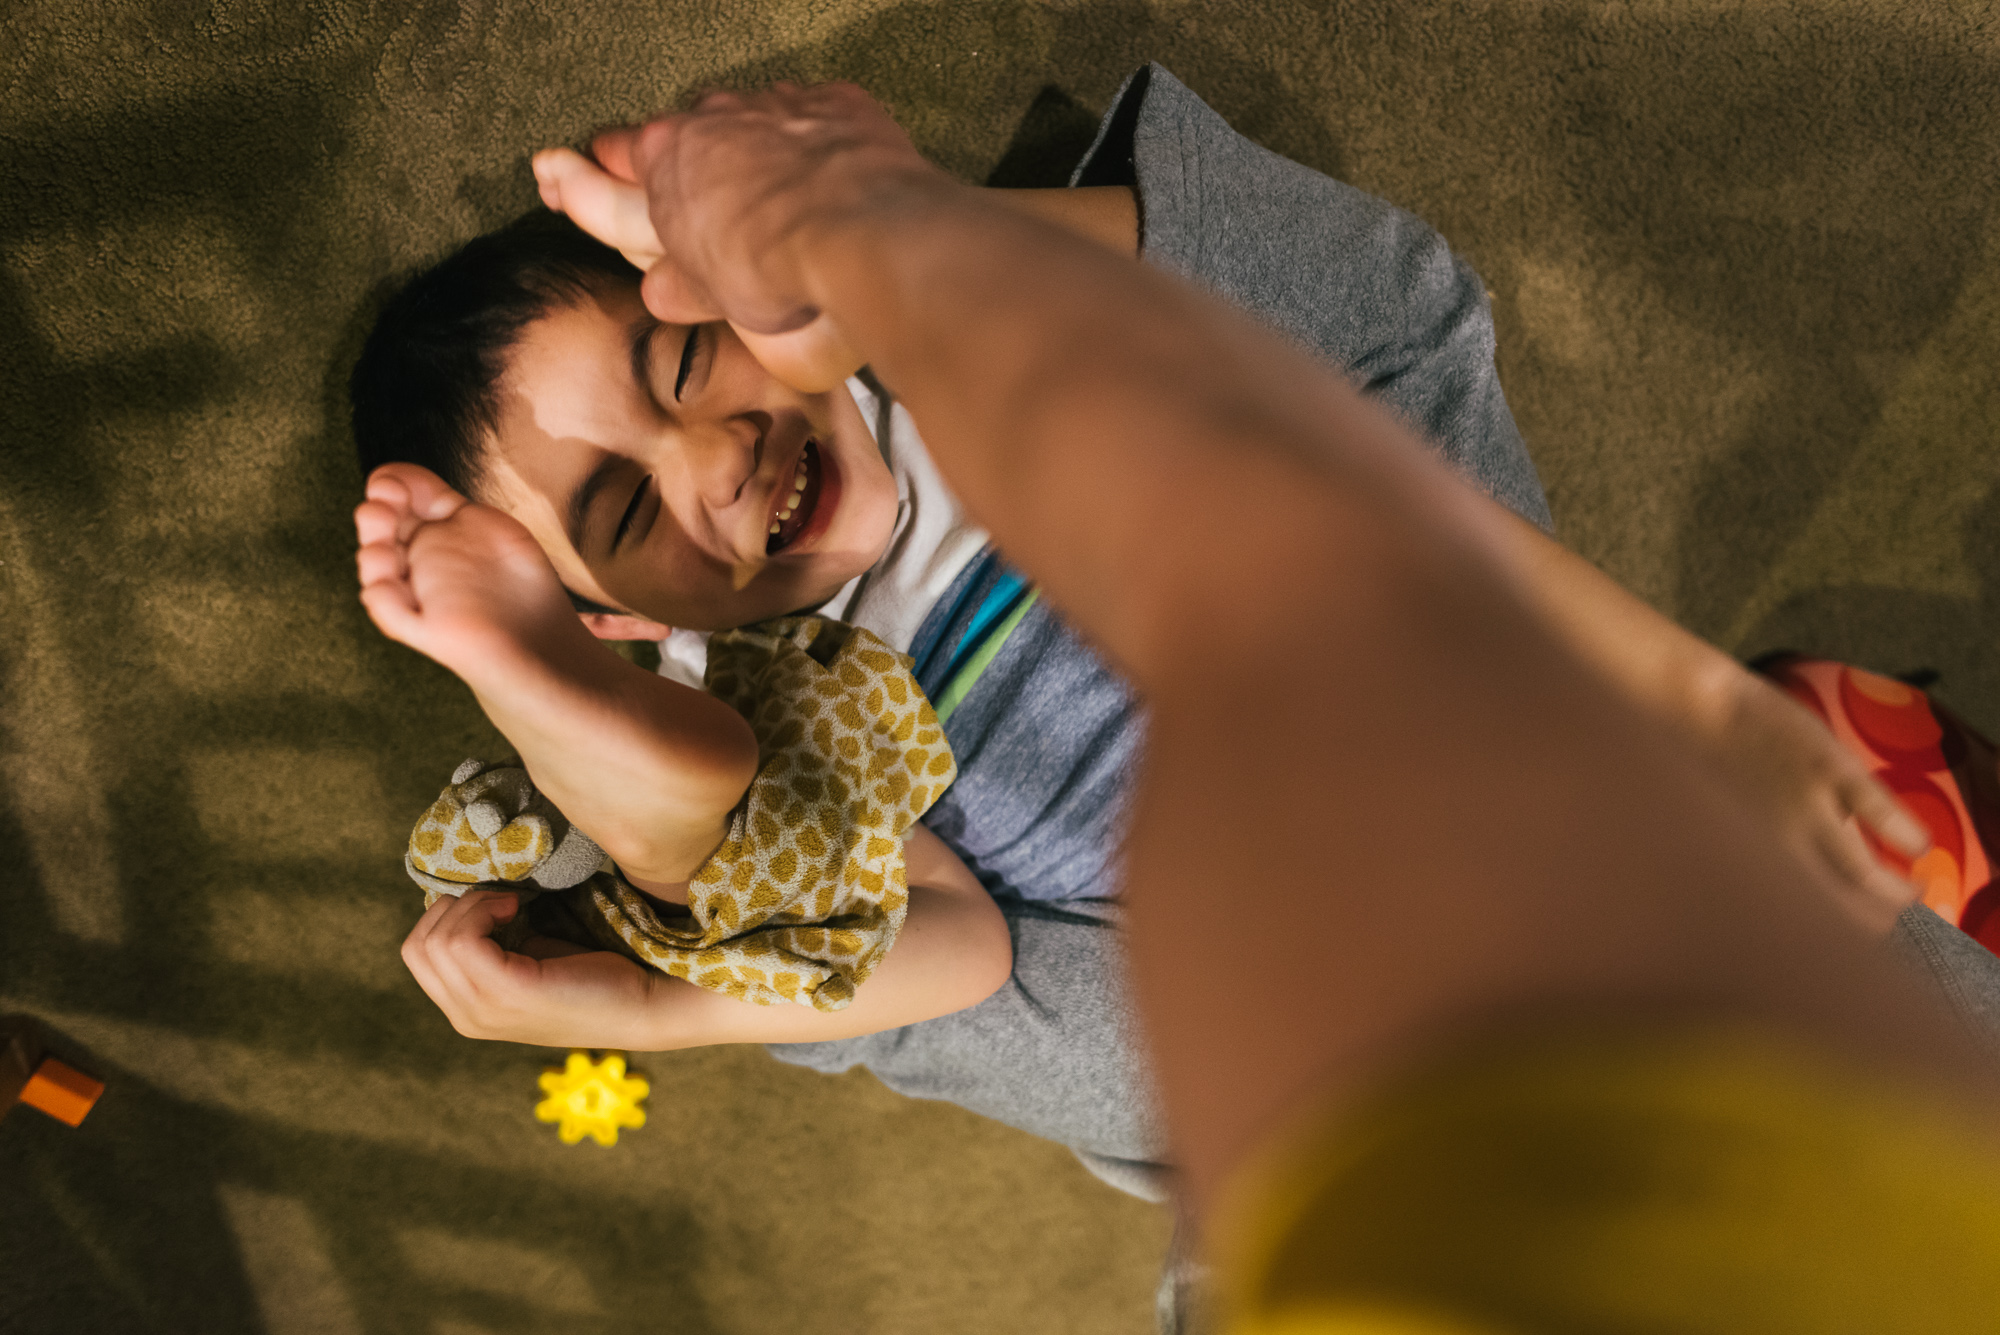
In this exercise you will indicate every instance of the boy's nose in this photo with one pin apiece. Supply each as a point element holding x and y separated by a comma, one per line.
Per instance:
<point>724,456</point>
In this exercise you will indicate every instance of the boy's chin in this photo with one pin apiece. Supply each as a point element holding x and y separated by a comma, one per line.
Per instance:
<point>799,593</point>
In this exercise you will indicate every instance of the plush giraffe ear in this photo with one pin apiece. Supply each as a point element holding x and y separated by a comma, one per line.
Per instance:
<point>575,860</point>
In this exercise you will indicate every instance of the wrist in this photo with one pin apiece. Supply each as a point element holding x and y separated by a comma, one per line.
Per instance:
<point>874,206</point>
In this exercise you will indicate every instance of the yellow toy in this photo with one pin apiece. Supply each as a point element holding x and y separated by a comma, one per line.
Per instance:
<point>592,1098</point>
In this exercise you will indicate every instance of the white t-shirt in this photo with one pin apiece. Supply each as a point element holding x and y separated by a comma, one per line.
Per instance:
<point>931,544</point>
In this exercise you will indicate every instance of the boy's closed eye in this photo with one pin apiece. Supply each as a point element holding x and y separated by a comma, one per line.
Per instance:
<point>631,511</point>
<point>691,345</point>
<point>642,356</point>
<point>688,348</point>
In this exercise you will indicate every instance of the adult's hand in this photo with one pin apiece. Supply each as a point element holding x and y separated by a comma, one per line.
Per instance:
<point>718,203</point>
<point>612,208</point>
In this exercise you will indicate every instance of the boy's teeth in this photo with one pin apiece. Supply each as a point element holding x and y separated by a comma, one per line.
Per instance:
<point>798,494</point>
<point>795,500</point>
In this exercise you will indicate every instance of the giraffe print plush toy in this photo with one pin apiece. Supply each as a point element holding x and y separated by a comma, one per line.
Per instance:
<point>807,891</point>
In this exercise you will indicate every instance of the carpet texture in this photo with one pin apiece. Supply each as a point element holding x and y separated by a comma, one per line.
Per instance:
<point>1746,275</point>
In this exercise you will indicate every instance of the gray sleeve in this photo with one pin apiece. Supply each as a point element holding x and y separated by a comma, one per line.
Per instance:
<point>1365,285</point>
<point>1055,1052</point>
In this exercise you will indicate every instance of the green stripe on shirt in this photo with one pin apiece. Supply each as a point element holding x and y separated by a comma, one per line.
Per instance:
<point>962,681</point>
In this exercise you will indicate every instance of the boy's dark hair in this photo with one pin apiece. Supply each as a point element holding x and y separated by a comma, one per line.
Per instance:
<point>423,389</point>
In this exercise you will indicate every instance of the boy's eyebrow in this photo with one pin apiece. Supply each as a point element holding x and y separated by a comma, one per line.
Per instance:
<point>586,492</point>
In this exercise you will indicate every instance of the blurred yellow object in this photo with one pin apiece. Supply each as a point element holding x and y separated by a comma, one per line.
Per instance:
<point>1676,1178</point>
<point>592,1098</point>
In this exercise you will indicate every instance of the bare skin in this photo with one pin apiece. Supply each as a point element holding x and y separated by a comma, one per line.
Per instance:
<point>1785,766</point>
<point>1586,861</point>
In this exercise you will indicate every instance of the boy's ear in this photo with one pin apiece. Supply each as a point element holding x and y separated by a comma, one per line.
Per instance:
<point>617,626</point>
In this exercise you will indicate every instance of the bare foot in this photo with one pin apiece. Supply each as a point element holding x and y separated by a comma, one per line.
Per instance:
<point>647,767</point>
<point>459,582</point>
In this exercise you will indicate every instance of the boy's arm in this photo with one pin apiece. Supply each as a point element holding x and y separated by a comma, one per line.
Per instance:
<point>954,951</point>
<point>647,767</point>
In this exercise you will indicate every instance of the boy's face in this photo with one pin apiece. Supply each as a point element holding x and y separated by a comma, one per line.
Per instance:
<point>664,504</point>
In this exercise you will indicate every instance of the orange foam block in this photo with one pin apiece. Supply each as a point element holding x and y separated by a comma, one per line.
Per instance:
<point>61,1091</point>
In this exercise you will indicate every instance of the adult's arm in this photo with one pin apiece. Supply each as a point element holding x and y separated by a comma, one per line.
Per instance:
<point>1153,458</point>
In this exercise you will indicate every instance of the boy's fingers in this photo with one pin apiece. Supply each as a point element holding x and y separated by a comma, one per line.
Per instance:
<point>416,956</point>
<point>609,208</point>
<point>467,961</point>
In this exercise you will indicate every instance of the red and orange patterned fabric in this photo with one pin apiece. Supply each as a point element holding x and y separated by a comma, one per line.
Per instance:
<point>1944,774</point>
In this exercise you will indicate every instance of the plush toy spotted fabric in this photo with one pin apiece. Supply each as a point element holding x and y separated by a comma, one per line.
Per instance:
<point>492,825</point>
<point>1944,773</point>
<point>807,892</point>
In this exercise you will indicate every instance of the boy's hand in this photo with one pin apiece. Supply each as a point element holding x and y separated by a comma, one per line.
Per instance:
<point>587,999</point>
<point>606,202</point>
<point>462,583</point>
<point>1815,792</point>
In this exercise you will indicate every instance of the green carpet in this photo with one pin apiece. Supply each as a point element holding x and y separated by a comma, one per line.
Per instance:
<point>1745,273</point>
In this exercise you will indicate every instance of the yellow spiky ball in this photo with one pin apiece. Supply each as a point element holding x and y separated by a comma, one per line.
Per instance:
<point>592,1098</point>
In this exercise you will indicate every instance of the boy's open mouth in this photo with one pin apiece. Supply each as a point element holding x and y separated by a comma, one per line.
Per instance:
<point>796,503</point>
